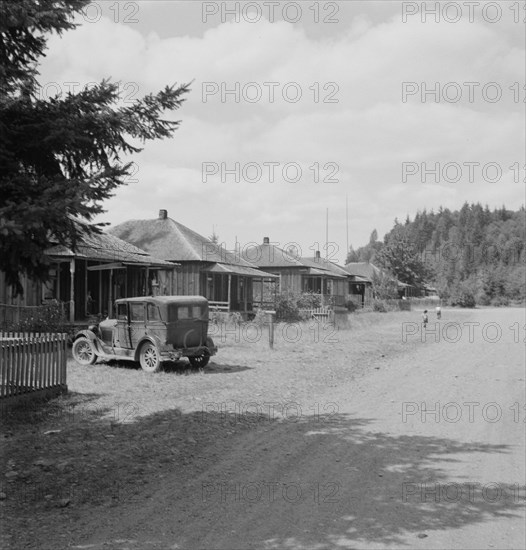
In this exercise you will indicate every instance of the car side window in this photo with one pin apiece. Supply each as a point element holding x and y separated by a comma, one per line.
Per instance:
<point>153,313</point>
<point>196,313</point>
<point>137,311</point>
<point>122,312</point>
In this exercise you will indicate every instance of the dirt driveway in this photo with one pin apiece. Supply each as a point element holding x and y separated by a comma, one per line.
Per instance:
<point>375,437</point>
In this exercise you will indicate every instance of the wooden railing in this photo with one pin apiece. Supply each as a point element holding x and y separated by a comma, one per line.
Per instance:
<point>32,364</point>
<point>356,299</point>
<point>218,306</point>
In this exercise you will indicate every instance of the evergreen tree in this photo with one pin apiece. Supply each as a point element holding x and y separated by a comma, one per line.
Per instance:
<point>352,256</point>
<point>470,254</point>
<point>60,158</point>
<point>400,258</point>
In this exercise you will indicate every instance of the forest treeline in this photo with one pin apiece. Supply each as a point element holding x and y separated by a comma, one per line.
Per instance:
<point>471,256</point>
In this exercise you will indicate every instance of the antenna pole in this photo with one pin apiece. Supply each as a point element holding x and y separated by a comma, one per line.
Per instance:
<point>327,235</point>
<point>347,223</point>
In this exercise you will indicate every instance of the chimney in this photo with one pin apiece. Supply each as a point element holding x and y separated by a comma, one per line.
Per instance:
<point>163,214</point>
<point>318,254</point>
<point>266,240</point>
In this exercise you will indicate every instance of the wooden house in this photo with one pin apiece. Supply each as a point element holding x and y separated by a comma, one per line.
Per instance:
<point>332,283</point>
<point>206,268</point>
<point>361,281</point>
<point>88,279</point>
<point>298,274</point>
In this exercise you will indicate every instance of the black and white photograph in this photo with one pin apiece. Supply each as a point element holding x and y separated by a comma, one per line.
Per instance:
<point>262,275</point>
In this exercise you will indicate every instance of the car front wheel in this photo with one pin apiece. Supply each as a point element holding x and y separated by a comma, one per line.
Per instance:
<point>83,351</point>
<point>149,357</point>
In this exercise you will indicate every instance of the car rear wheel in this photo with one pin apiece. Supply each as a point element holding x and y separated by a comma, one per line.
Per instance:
<point>149,357</point>
<point>83,351</point>
<point>199,361</point>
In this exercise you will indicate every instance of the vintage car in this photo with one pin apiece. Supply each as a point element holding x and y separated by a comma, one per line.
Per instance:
<point>150,330</point>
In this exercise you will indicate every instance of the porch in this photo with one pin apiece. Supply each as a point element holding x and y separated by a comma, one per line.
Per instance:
<point>88,288</point>
<point>228,290</point>
<point>330,290</point>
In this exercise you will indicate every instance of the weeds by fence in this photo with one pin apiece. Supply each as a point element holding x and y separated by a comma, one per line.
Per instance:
<point>50,317</point>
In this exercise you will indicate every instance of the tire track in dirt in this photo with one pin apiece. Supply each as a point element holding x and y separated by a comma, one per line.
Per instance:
<point>339,480</point>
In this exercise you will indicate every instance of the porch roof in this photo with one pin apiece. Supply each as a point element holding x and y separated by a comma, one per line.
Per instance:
<point>325,267</point>
<point>108,248</point>
<point>124,265</point>
<point>240,270</point>
<point>358,279</point>
<point>313,271</point>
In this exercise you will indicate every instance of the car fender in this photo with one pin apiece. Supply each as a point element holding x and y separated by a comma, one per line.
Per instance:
<point>92,337</point>
<point>212,348</point>
<point>155,341</point>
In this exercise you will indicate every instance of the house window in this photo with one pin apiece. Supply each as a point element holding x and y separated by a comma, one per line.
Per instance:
<point>137,311</point>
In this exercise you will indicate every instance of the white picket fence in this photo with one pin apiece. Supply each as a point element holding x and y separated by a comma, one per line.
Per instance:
<point>316,313</point>
<point>32,364</point>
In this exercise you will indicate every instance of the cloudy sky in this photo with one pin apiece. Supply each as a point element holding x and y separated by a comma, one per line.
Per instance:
<point>299,108</point>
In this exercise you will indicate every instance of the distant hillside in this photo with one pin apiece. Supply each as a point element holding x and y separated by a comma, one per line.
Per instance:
<point>471,255</point>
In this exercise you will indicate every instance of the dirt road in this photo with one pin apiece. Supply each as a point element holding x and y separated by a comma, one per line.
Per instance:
<point>375,439</point>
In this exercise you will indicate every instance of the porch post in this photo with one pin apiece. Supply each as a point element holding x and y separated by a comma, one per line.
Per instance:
<point>58,296</point>
<point>110,293</point>
<point>72,291</point>
<point>100,291</point>
<point>86,289</point>
<point>245,284</point>
<point>229,292</point>
<point>145,291</point>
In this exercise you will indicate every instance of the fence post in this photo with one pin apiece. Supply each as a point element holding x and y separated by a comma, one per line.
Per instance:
<point>9,356</point>
<point>3,364</point>
<point>64,358</point>
<point>270,314</point>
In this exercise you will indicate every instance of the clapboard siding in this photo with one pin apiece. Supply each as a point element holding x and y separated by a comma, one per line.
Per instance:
<point>188,279</point>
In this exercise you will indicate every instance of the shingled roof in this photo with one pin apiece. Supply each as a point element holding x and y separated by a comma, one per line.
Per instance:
<point>165,238</point>
<point>330,268</point>
<point>269,255</point>
<point>107,248</point>
<point>365,270</point>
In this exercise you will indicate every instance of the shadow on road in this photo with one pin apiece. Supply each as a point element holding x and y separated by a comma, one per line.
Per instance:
<point>236,479</point>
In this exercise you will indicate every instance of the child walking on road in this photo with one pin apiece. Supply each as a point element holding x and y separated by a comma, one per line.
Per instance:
<point>425,318</point>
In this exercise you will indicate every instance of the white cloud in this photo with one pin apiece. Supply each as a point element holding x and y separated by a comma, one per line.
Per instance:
<point>369,132</point>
